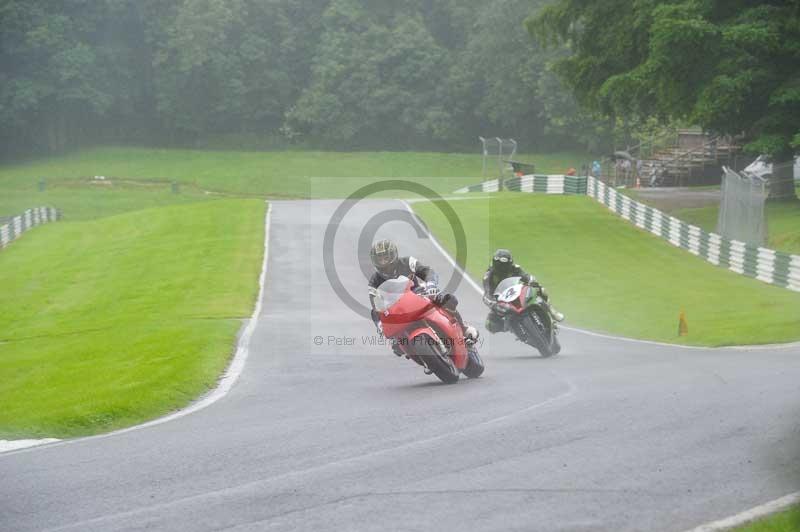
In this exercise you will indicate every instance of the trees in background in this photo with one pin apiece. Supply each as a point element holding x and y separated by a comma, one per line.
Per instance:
<point>388,74</point>
<point>374,78</point>
<point>730,66</point>
<point>227,66</point>
<point>435,74</point>
<point>59,66</point>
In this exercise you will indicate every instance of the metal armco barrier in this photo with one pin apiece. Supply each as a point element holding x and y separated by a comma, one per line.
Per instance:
<point>767,265</point>
<point>17,225</point>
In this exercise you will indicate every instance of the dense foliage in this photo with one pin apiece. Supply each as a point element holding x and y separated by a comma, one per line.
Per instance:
<point>730,66</point>
<point>389,74</point>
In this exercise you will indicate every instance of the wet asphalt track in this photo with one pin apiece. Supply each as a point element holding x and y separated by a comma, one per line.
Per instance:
<point>609,435</point>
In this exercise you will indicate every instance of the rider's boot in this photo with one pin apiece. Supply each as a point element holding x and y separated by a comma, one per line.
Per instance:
<point>555,314</point>
<point>470,334</point>
<point>396,348</point>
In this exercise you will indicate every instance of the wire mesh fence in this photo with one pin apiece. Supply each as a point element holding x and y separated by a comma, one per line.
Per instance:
<point>495,152</point>
<point>742,215</point>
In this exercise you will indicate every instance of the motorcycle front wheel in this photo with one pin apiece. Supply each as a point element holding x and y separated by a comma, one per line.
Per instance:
<point>475,365</point>
<point>426,348</point>
<point>536,335</point>
<point>556,349</point>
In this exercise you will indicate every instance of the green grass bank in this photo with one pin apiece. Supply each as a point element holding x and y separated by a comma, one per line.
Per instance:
<point>91,201</point>
<point>297,174</point>
<point>115,320</point>
<point>607,275</point>
<point>788,521</point>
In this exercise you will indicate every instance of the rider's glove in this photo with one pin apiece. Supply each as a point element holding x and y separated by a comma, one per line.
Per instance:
<point>432,291</point>
<point>438,298</point>
<point>489,301</point>
<point>379,329</point>
<point>532,282</point>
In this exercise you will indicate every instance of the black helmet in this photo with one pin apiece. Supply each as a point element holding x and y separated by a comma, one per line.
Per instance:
<point>502,261</point>
<point>384,257</point>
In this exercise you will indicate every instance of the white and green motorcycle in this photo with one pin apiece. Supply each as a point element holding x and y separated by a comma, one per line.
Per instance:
<point>526,313</point>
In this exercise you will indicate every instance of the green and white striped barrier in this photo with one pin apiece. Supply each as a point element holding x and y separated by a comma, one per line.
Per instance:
<point>486,186</point>
<point>767,265</point>
<point>17,225</point>
<point>545,184</point>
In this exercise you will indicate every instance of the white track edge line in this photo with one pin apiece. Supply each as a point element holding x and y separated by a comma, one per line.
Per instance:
<point>224,385</point>
<point>478,289</point>
<point>6,446</point>
<point>750,515</point>
<point>444,252</point>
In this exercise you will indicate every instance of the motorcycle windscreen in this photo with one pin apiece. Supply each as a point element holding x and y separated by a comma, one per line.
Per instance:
<point>397,304</point>
<point>390,292</point>
<point>507,289</point>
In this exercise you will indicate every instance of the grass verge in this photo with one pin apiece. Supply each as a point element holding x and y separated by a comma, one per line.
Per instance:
<point>607,275</point>
<point>89,201</point>
<point>788,521</point>
<point>114,321</point>
<point>277,174</point>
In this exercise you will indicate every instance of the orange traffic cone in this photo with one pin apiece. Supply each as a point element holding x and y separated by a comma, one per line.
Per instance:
<point>683,327</point>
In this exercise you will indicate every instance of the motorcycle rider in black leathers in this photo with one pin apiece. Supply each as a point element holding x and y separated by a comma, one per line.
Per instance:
<point>503,267</point>
<point>389,265</point>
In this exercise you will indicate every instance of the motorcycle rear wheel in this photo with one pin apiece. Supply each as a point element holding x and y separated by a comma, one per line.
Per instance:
<point>440,364</point>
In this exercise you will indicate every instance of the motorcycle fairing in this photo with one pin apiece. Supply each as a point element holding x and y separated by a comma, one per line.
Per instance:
<point>405,314</point>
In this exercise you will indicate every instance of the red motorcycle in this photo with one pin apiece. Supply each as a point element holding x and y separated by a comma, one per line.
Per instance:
<point>427,333</point>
